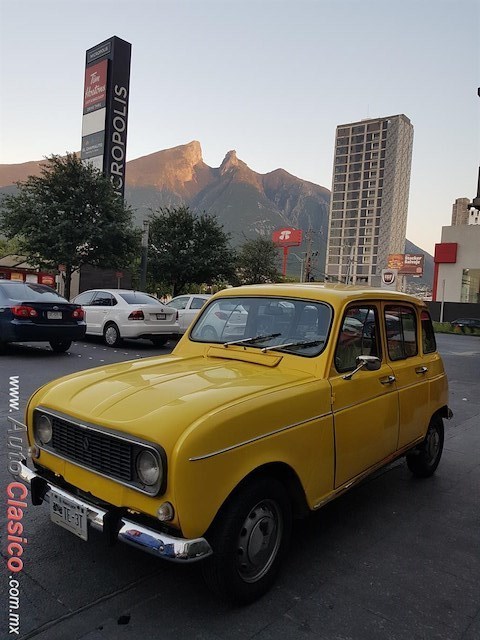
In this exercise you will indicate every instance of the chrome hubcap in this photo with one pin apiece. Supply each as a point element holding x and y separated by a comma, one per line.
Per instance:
<point>259,541</point>
<point>433,445</point>
<point>110,335</point>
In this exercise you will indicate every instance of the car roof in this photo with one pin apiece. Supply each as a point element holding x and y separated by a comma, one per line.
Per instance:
<point>332,293</point>
<point>116,291</point>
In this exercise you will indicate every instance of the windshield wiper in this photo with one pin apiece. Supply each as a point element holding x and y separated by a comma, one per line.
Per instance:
<point>255,339</point>
<point>293,345</point>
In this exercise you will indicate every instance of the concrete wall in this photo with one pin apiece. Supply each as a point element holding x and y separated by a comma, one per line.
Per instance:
<point>468,257</point>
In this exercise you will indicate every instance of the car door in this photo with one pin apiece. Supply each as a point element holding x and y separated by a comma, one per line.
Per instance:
<point>180,304</point>
<point>365,406</point>
<point>99,310</point>
<point>191,312</point>
<point>410,370</point>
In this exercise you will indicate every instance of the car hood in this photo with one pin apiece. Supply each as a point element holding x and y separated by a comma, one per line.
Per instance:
<point>158,398</point>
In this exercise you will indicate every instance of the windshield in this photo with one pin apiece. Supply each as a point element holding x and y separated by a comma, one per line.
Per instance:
<point>284,324</point>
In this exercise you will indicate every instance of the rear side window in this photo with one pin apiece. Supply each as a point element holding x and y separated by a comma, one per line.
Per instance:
<point>359,336</point>
<point>197,303</point>
<point>401,330</point>
<point>428,334</point>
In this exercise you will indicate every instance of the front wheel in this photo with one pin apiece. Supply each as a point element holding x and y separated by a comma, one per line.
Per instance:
<point>249,539</point>
<point>60,346</point>
<point>424,459</point>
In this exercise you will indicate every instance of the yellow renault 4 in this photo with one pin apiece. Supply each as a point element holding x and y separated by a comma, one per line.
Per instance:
<point>275,401</point>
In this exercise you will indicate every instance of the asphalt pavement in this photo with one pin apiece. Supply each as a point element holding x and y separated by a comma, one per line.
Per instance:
<point>395,558</point>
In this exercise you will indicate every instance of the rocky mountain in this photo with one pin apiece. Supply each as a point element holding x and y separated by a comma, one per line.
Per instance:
<point>247,203</point>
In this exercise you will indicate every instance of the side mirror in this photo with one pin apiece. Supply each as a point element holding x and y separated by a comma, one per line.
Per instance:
<point>370,363</point>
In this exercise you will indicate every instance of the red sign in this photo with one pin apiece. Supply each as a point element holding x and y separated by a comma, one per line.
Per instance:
<point>446,252</point>
<point>287,237</point>
<point>119,274</point>
<point>95,91</point>
<point>45,278</point>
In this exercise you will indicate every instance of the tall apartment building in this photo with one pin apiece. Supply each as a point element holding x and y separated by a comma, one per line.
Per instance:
<point>369,203</point>
<point>460,211</point>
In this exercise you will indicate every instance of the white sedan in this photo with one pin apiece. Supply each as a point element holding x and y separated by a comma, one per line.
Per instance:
<point>122,313</point>
<point>188,307</point>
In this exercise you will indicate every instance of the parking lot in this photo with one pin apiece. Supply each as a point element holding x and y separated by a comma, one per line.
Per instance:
<point>395,558</point>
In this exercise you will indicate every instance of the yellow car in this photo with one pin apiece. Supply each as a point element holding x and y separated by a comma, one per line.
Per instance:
<point>209,453</point>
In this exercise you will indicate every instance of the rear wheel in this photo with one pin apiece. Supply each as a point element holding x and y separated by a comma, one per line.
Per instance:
<point>424,459</point>
<point>249,539</point>
<point>160,341</point>
<point>60,346</point>
<point>111,335</point>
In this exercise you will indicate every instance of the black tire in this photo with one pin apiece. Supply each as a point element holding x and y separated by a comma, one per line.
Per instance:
<point>249,539</point>
<point>160,342</point>
<point>60,346</point>
<point>424,459</point>
<point>209,333</point>
<point>111,335</point>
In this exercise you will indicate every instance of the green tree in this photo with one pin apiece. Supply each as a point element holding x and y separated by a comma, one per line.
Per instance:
<point>186,248</point>
<point>70,215</point>
<point>257,262</point>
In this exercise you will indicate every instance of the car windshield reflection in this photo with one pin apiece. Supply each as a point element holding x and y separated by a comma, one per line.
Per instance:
<point>290,325</point>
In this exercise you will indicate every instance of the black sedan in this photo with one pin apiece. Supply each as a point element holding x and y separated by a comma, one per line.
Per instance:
<point>462,323</point>
<point>36,313</point>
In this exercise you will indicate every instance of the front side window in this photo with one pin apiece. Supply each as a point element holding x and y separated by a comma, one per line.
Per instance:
<point>84,298</point>
<point>197,303</point>
<point>359,336</point>
<point>401,330</point>
<point>283,324</point>
<point>179,303</point>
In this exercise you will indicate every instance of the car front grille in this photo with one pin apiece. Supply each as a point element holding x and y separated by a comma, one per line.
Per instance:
<point>95,450</point>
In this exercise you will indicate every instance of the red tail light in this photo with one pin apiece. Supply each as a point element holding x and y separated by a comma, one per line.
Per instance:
<point>136,315</point>
<point>222,315</point>
<point>22,311</point>
<point>78,313</point>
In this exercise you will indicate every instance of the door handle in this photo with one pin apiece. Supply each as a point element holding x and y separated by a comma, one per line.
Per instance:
<point>421,370</point>
<point>388,380</point>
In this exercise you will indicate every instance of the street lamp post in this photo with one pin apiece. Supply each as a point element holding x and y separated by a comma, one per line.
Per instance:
<point>301,266</point>
<point>143,266</point>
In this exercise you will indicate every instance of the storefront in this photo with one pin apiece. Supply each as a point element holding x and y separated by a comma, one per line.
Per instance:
<point>457,265</point>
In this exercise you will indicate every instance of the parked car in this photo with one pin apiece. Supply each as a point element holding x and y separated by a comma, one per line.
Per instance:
<point>188,307</point>
<point>210,452</point>
<point>463,323</point>
<point>122,313</point>
<point>223,320</point>
<point>37,313</point>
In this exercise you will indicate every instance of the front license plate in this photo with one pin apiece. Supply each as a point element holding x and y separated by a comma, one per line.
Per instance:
<point>161,316</point>
<point>54,315</point>
<point>68,515</point>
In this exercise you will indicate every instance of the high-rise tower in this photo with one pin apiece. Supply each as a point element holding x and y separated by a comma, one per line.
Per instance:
<point>369,203</point>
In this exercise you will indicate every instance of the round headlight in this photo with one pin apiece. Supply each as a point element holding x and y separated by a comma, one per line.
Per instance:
<point>43,429</point>
<point>148,468</point>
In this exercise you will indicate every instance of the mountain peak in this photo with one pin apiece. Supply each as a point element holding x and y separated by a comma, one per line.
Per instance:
<point>229,162</point>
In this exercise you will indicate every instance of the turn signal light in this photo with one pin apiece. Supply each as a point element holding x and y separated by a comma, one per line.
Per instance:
<point>136,315</point>
<point>23,311</point>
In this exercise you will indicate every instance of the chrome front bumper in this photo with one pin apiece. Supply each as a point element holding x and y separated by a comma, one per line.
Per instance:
<point>158,544</point>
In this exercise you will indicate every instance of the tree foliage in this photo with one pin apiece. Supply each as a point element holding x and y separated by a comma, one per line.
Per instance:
<point>70,215</point>
<point>186,248</point>
<point>257,262</point>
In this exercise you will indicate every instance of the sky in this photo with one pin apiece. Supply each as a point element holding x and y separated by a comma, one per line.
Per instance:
<point>271,79</point>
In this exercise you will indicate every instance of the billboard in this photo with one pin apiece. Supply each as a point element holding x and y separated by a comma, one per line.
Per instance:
<point>407,264</point>
<point>287,237</point>
<point>105,109</point>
